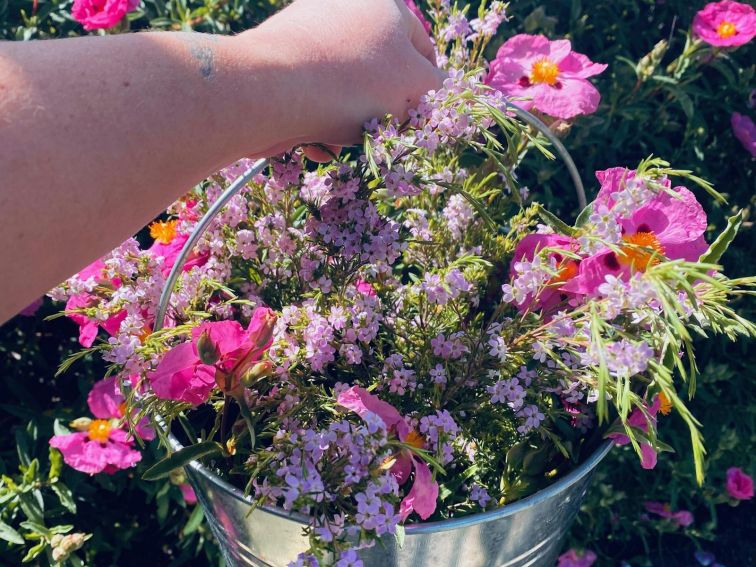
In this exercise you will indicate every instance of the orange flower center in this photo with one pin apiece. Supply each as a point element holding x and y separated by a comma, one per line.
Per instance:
<point>567,270</point>
<point>415,439</point>
<point>726,29</point>
<point>642,250</point>
<point>665,406</point>
<point>544,71</point>
<point>163,231</point>
<point>99,430</point>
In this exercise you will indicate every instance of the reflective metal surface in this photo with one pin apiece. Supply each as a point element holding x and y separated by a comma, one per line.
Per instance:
<point>528,532</point>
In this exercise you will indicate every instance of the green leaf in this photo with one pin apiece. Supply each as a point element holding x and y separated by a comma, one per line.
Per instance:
<point>723,241</point>
<point>555,222</point>
<point>584,216</point>
<point>34,551</point>
<point>9,534</point>
<point>194,521</point>
<point>182,458</point>
<point>65,496</point>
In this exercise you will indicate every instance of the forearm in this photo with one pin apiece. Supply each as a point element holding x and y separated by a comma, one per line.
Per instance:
<point>118,128</point>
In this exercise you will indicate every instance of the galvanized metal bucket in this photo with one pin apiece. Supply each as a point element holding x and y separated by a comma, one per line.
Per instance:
<point>528,532</point>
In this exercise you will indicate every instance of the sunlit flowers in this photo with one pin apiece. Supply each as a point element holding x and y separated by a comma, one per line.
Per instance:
<point>725,23</point>
<point>101,14</point>
<point>102,444</point>
<point>551,77</point>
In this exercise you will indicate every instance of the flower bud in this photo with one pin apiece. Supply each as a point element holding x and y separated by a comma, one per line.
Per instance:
<point>261,327</point>
<point>206,349</point>
<point>257,372</point>
<point>81,424</point>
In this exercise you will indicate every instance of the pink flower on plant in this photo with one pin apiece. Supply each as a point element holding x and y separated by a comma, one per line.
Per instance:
<point>739,484</point>
<point>424,492</point>
<point>189,371</point>
<point>745,131</point>
<point>572,558</point>
<point>101,14</point>
<point>89,326</point>
<point>566,268</point>
<point>682,518</point>
<point>549,74</point>
<point>637,420</point>
<point>725,24</point>
<point>103,445</point>
<point>169,249</point>
<point>671,226</point>
<point>420,16</point>
<point>365,288</point>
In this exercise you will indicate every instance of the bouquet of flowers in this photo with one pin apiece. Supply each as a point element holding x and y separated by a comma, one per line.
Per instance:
<point>402,334</point>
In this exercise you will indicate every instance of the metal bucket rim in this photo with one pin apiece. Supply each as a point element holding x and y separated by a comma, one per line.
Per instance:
<point>583,469</point>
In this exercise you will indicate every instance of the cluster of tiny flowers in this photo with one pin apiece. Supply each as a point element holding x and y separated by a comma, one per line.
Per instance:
<point>479,495</point>
<point>530,279</point>
<point>450,348</point>
<point>622,358</point>
<point>399,377</point>
<point>507,391</point>
<point>488,25</point>
<point>440,432</point>
<point>634,193</point>
<point>604,230</point>
<point>620,295</point>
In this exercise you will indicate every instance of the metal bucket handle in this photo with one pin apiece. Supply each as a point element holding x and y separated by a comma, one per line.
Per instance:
<point>259,165</point>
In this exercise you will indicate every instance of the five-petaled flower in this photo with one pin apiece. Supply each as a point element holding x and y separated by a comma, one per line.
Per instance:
<point>102,444</point>
<point>739,484</point>
<point>725,24</point>
<point>548,74</point>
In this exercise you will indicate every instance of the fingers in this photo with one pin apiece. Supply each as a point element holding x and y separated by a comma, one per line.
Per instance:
<point>417,34</point>
<point>321,153</point>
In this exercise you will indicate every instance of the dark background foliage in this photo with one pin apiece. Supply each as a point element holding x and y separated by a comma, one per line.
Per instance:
<point>684,120</point>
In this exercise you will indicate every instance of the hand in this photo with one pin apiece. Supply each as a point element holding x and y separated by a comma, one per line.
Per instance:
<point>352,60</point>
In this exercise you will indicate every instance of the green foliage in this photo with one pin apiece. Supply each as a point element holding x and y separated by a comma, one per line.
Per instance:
<point>660,95</point>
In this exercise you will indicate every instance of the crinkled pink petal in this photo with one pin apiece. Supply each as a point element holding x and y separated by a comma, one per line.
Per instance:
<point>745,131</point>
<point>181,376</point>
<point>571,98</point>
<point>578,66</point>
<point>119,454</point>
<point>113,323</point>
<point>613,180</point>
<point>80,453</point>
<point>559,49</point>
<point>676,219</point>
<point>169,252</point>
<point>228,336</point>
<point>360,401</point>
<point>101,14</point>
<point>88,334</point>
<point>402,468</point>
<point>706,23</point>
<point>525,49</point>
<point>365,288</point>
<point>94,270</point>
<point>422,496</point>
<point>79,301</point>
<point>593,271</point>
<point>105,399</point>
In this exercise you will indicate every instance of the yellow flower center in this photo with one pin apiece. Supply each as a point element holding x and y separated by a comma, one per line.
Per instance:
<point>726,29</point>
<point>642,250</point>
<point>99,430</point>
<point>665,405</point>
<point>544,71</point>
<point>415,439</point>
<point>567,270</point>
<point>163,231</point>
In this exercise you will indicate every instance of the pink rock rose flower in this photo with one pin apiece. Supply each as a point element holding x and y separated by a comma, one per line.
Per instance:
<point>189,371</point>
<point>666,226</point>
<point>739,484</point>
<point>170,250</point>
<point>549,74</point>
<point>424,492</point>
<point>103,445</point>
<point>725,24</point>
<point>572,558</point>
<point>682,518</point>
<point>101,14</point>
<point>567,268</point>
<point>745,131</point>
<point>637,420</point>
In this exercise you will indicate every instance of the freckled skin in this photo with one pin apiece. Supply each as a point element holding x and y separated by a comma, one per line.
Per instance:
<point>78,167</point>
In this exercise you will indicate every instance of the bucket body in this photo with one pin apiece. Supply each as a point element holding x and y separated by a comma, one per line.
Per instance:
<point>527,532</point>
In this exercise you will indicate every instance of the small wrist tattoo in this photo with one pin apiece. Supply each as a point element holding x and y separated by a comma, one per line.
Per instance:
<point>202,51</point>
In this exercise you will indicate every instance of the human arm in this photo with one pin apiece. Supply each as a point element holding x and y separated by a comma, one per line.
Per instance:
<point>99,134</point>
